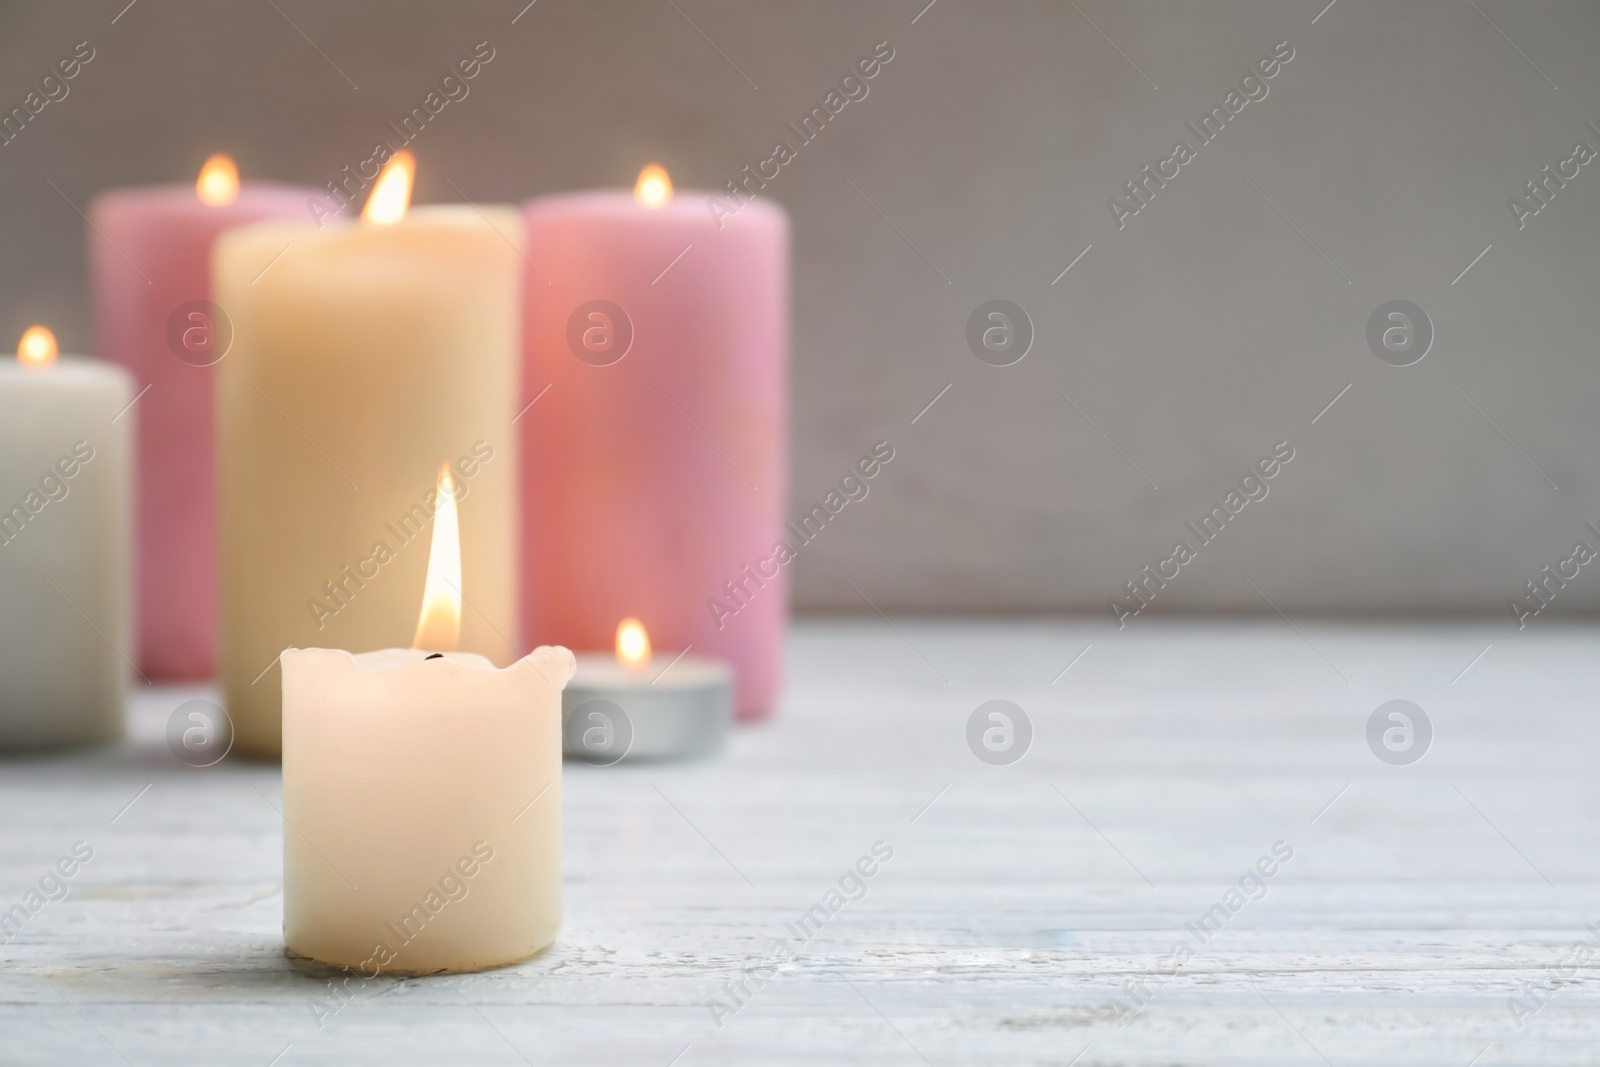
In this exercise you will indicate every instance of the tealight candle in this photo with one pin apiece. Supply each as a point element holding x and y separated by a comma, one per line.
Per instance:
<point>422,794</point>
<point>64,525</point>
<point>621,707</point>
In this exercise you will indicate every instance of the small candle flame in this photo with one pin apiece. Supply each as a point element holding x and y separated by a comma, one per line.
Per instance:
<point>37,347</point>
<point>654,187</point>
<point>391,196</point>
<point>219,181</point>
<point>633,644</point>
<point>439,625</point>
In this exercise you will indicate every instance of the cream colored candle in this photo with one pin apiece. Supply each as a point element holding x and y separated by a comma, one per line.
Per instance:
<point>363,354</point>
<point>422,794</point>
<point>65,528</point>
<point>422,808</point>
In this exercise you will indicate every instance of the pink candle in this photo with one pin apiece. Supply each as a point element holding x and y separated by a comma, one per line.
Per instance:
<point>656,465</point>
<point>150,265</point>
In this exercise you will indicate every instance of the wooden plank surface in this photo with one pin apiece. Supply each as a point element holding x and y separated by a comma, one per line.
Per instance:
<point>1021,904</point>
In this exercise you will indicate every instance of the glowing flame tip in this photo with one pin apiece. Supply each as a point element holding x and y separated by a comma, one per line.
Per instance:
<point>37,347</point>
<point>439,625</point>
<point>391,194</point>
<point>633,644</point>
<point>219,181</point>
<point>654,187</point>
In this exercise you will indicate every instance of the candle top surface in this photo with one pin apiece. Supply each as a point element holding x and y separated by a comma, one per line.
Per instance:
<point>427,223</point>
<point>554,663</point>
<point>387,659</point>
<point>253,197</point>
<point>685,205</point>
<point>455,243</point>
<point>65,373</point>
<point>600,670</point>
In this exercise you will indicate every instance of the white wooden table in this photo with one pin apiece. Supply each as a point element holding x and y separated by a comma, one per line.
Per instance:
<point>1019,902</point>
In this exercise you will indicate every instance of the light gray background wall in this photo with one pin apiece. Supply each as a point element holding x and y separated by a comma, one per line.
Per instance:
<point>1208,329</point>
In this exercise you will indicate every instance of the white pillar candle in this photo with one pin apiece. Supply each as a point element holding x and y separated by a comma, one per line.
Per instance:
<point>422,794</point>
<point>64,547</point>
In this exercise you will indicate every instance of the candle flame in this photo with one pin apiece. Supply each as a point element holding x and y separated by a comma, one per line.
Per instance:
<point>37,347</point>
<point>439,625</point>
<point>391,196</point>
<point>654,187</point>
<point>219,181</point>
<point>633,644</point>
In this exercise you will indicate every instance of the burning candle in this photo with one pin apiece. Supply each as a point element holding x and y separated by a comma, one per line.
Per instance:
<point>662,335</point>
<point>361,355</point>
<point>64,526</point>
<point>422,793</point>
<point>629,706</point>
<point>150,268</point>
